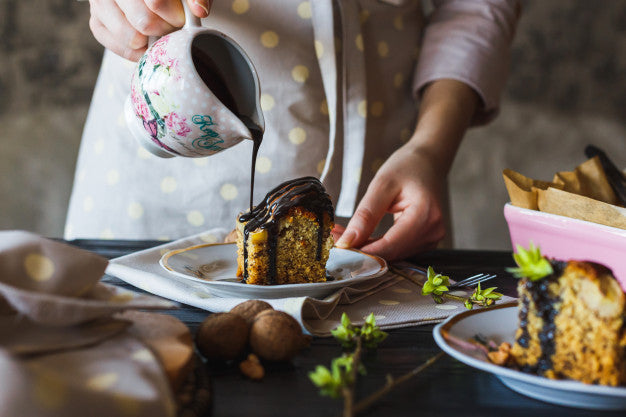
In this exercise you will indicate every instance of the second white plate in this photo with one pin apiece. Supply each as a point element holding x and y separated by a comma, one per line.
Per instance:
<point>499,324</point>
<point>216,266</point>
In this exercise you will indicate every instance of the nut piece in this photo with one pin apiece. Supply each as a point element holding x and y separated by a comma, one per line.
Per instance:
<point>500,356</point>
<point>222,336</point>
<point>252,368</point>
<point>249,309</point>
<point>276,336</point>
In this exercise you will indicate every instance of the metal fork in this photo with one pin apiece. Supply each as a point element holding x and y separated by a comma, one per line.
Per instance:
<point>466,282</point>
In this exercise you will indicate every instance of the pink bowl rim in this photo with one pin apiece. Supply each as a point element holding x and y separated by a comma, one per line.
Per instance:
<point>509,207</point>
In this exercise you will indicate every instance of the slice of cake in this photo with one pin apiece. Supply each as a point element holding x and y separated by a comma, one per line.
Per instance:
<point>572,324</point>
<point>286,239</point>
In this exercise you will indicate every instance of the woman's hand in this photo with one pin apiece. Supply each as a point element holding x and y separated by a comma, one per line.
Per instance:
<point>123,26</point>
<point>410,186</point>
<point>411,183</point>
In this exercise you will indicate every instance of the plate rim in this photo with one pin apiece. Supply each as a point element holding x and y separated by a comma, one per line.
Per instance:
<point>500,371</point>
<point>383,268</point>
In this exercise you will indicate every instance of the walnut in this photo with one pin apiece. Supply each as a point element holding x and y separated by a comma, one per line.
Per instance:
<point>249,309</point>
<point>276,336</point>
<point>222,336</point>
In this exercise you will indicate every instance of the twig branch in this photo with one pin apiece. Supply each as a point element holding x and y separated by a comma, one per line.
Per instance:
<point>348,390</point>
<point>392,383</point>
<point>421,284</point>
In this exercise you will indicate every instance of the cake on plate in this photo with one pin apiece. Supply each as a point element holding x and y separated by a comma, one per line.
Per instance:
<point>572,323</point>
<point>286,239</point>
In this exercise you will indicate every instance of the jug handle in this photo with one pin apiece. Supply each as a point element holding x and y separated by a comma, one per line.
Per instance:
<point>191,21</point>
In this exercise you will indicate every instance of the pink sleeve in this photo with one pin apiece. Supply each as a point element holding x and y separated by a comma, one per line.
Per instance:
<point>469,41</point>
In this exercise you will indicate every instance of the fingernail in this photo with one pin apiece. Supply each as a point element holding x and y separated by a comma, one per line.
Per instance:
<point>346,239</point>
<point>203,5</point>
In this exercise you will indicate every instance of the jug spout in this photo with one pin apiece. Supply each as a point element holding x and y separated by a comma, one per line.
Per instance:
<point>194,93</point>
<point>229,73</point>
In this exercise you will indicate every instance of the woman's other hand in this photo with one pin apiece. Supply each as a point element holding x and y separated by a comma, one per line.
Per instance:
<point>123,26</point>
<point>411,183</point>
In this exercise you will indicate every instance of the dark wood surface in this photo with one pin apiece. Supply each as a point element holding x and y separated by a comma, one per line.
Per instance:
<point>448,388</point>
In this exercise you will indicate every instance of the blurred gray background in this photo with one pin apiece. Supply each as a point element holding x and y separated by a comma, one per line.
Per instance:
<point>567,88</point>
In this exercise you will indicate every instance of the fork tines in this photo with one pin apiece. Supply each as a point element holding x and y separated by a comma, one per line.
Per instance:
<point>473,280</point>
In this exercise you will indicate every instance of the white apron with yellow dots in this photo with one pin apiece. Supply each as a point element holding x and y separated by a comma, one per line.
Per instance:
<point>338,81</point>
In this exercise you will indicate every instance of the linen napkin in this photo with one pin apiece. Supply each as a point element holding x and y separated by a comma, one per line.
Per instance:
<point>394,300</point>
<point>62,352</point>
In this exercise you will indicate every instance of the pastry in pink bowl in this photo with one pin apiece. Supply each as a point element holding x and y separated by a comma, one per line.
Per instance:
<point>563,237</point>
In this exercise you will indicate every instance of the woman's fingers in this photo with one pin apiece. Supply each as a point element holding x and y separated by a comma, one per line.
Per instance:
<point>123,35</point>
<point>200,8</point>
<point>368,214</point>
<point>144,20</point>
<point>413,231</point>
<point>109,41</point>
<point>170,11</point>
<point>123,26</point>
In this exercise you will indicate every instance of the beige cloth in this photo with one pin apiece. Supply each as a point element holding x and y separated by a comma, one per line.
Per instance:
<point>61,352</point>
<point>339,85</point>
<point>394,300</point>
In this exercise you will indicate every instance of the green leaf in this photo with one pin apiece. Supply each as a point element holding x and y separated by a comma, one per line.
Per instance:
<point>435,283</point>
<point>530,263</point>
<point>330,384</point>
<point>441,289</point>
<point>345,320</point>
<point>321,376</point>
<point>345,333</point>
<point>483,298</point>
<point>428,288</point>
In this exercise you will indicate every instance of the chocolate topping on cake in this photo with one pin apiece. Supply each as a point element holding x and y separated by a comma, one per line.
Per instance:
<point>305,192</point>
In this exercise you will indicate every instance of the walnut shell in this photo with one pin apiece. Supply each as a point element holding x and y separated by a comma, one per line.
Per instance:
<point>276,336</point>
<point>249,309</point>
<point>222,336</point>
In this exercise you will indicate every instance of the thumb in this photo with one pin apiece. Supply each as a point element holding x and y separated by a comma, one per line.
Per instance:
<point>366,217</point>
<point>200,8</point>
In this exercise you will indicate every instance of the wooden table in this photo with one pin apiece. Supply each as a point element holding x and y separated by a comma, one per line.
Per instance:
<point>448,388</point>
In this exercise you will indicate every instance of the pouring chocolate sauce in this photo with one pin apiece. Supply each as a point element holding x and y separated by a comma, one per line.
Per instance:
<point>216,81</point>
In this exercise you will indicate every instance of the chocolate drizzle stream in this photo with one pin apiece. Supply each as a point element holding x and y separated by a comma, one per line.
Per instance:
<point>214,79</point>
<point>306,192</point>
<point>546,308</point>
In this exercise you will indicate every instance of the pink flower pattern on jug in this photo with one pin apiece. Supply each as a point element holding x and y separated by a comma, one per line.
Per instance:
<point>158,55</point>
<point>158,49</point>
<point>177,123</point>
<point>141,108</point>
<point>165,87</point>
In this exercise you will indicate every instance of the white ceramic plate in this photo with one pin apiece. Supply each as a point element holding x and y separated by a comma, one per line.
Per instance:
<point>216,266</point>
<point>499,324</point>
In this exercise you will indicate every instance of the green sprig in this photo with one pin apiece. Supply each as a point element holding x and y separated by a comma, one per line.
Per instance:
<point>331,382</point>
<point>370,334</point>
<point>334,381</point>
<point>530,263</point>
<point>483,298</point>
<point>436,285</point>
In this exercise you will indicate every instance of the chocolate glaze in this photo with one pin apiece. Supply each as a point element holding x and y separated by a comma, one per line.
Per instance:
<point>212,77</point>
<point>545,306</point>
<point>305,192</point>
<point>215,80</point>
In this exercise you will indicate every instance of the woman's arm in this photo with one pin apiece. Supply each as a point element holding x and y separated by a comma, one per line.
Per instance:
<point>411,183</point>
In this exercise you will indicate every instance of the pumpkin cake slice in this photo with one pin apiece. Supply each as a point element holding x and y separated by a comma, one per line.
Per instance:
<point>286,239</point>
<point>572,324</point>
